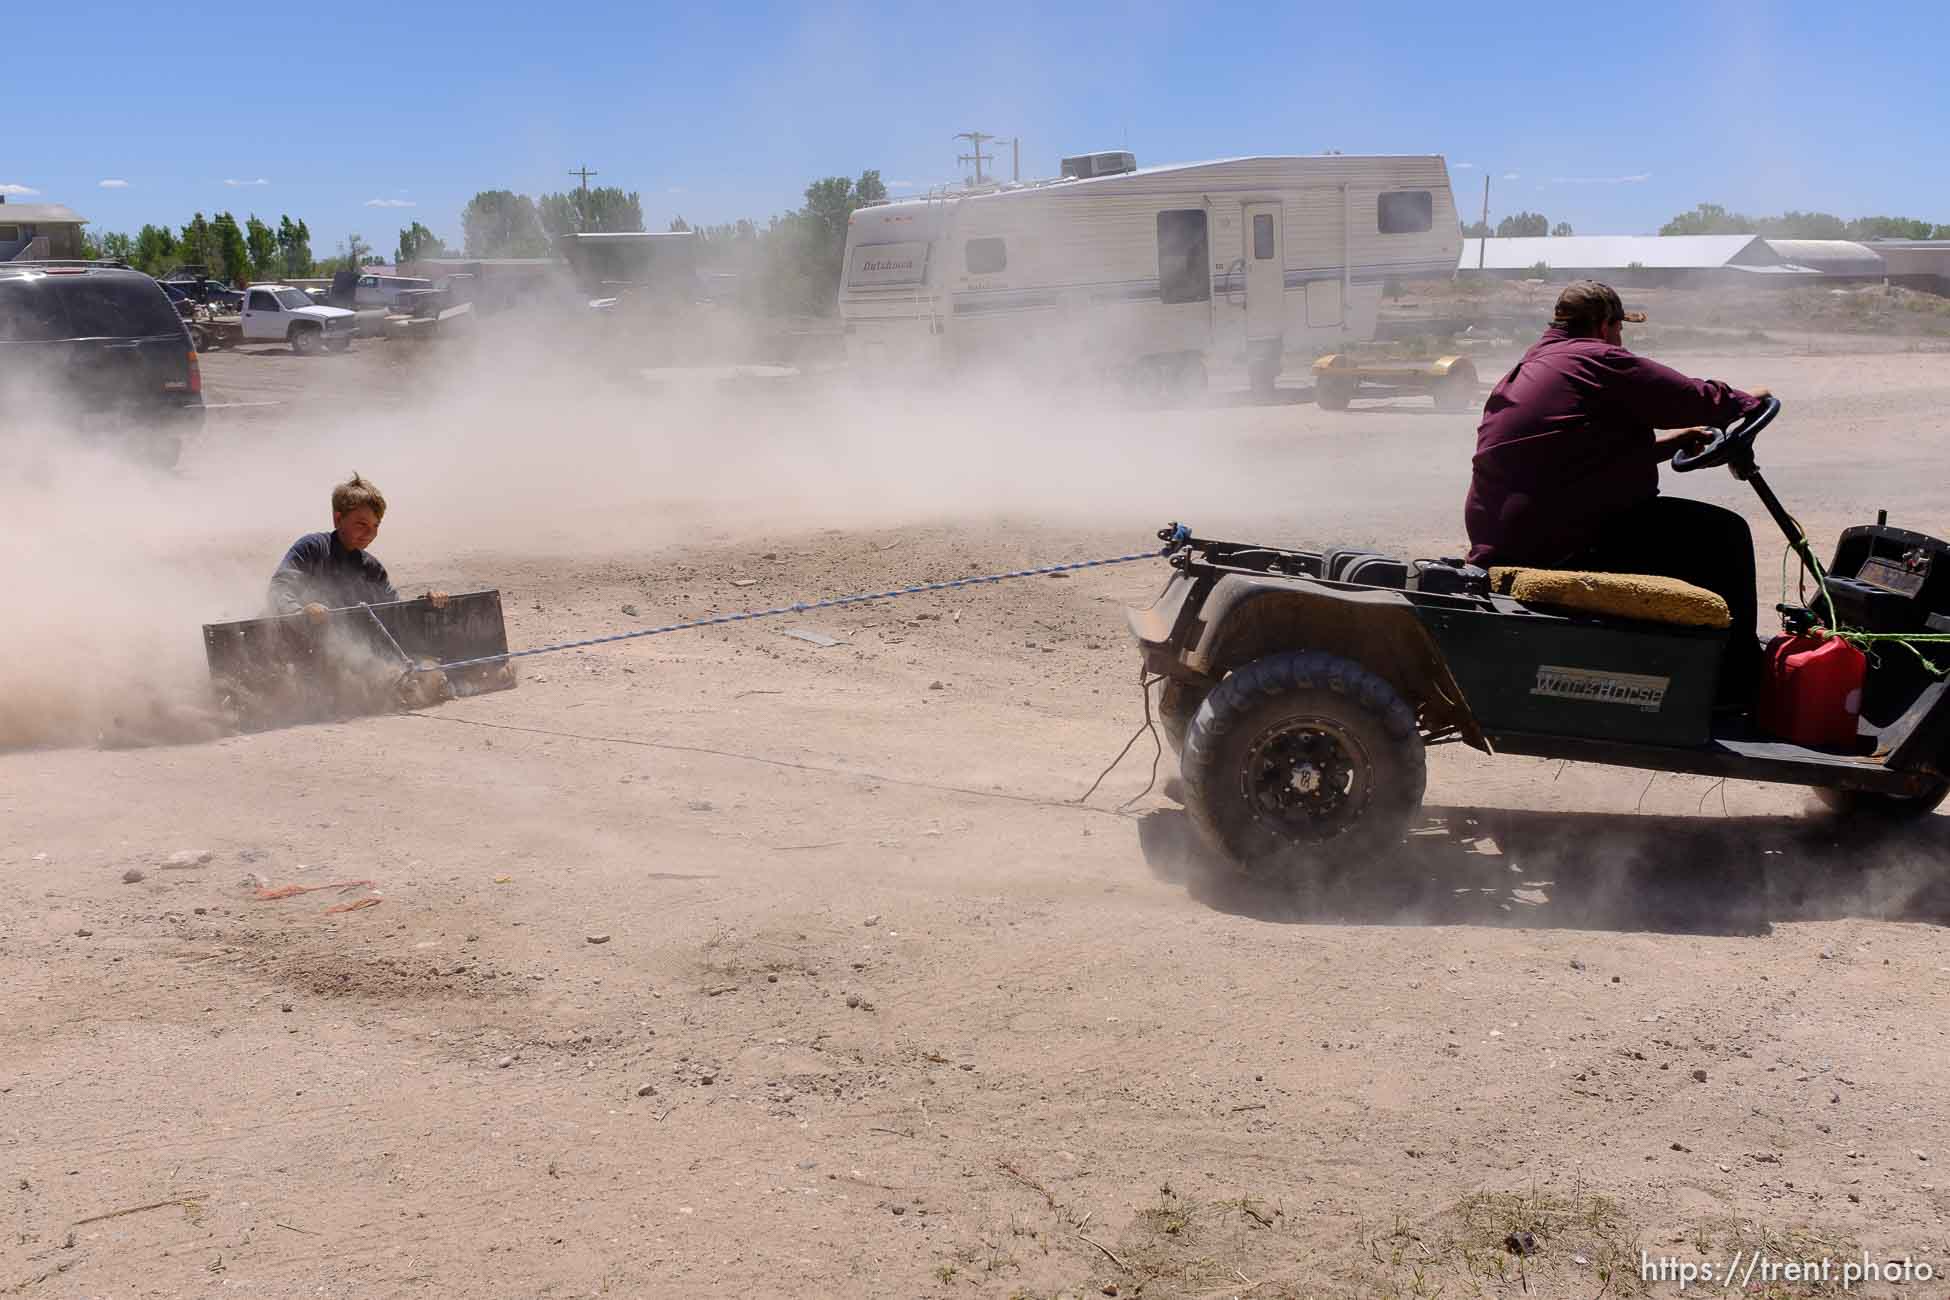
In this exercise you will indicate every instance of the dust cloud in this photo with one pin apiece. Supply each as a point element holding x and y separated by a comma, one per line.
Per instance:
<point>497,444</point>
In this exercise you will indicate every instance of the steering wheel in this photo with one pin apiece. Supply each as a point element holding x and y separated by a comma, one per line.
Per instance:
<point>1736,440</point>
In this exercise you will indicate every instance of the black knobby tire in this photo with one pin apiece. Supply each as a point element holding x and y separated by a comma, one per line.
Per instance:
<point>1331,394</point>
<point>1303,760</point>
<point>1177,703</point>
<point>306,340</point>
<point>1874,806</point>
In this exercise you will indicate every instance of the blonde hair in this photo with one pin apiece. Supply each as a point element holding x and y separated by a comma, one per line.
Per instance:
<point>356,492</point>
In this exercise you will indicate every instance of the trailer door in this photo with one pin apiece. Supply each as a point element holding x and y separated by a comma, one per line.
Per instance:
<point>1327,224</point>
<point>1265,257</point>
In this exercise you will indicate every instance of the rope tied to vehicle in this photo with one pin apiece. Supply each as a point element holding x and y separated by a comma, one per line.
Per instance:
<point>1866,642</point>
<point>1177,534</point>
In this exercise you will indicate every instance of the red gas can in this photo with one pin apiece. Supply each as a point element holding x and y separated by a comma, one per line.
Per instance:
<point>1811,691</point>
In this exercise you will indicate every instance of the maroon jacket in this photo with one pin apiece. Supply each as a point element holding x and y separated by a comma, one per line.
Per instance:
<point>1566,445</point>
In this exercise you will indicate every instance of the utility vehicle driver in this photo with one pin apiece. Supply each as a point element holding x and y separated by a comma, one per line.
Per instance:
<point>1566,472</point>
<point>334,570</point>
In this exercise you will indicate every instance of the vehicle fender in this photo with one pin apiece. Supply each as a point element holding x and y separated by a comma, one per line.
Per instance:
<point>1245,618</point>
<point>1332,361</point>
<point>1454,366</point>
<point>1924,745</point>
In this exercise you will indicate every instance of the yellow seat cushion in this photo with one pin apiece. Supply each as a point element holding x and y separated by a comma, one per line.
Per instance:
<point>1640,596</point>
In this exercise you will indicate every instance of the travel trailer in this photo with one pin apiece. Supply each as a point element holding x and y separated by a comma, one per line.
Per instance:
<point>1146,273</point>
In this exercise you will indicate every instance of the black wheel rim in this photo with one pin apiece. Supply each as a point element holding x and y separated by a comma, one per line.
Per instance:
<point>1307,779</point>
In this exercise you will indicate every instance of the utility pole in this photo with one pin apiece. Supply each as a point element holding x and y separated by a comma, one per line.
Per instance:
<point>975,138</point>
<point>1483,244</point>
<point>582,213</point>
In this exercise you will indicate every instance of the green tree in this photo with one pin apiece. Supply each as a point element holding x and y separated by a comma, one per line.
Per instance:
<point>354,252</point>
<point>1888,228</point>
<point>294,248</point>
<point>233,250</point>
<point>198,246</point>
<point>501,223</point>
<point>606,209</point>
<point>266,261</point>
<point>1803,225</point>
<point>417,242</point>
<point>1709,219</point>
<point>155,249</point>
<point>1476,230</point>
<point>1562,229</point>
<point>120,247</point>
<point>1524,224</point>
<point>806,251</point>
<point>1712,219</point>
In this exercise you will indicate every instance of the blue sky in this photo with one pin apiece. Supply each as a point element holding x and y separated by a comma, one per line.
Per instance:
<point>1609,117</point>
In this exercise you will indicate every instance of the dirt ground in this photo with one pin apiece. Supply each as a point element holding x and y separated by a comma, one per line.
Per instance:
<point>723,963</point>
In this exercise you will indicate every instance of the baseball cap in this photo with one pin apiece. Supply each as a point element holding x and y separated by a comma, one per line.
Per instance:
<point>1589,304</point>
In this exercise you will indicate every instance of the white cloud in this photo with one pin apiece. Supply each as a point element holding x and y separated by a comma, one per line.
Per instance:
<point>259,181</point>
<point>114,185</point>
<point>1511,176</point>
<point>900,185</point>
<point>1464,167</point>
<point>18,189</point>
<point>1601,180</point>
<point>391,203</point>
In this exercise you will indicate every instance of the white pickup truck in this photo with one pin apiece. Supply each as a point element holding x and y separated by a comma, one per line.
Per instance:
<point>273,312</point>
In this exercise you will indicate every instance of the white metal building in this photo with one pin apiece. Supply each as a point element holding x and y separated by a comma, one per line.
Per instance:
<point>1916,263</point>
<point>1647,260</point>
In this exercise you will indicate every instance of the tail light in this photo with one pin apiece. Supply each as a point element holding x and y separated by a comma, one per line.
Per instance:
<point>196,375</point>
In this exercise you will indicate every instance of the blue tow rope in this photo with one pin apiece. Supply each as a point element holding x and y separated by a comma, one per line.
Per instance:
<point>1179,533</point>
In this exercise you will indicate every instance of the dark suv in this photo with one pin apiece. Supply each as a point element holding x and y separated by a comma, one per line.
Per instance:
<point>97,349</point>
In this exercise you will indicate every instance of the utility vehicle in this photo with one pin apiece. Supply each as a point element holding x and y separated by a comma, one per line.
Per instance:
<point>1303,688</point>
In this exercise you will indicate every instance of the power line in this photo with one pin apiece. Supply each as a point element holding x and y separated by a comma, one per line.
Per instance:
<point>582,215</point>
<point>975,139</point>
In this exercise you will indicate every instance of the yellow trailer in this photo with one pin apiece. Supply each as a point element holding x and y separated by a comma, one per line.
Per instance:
<point>1451,381</point>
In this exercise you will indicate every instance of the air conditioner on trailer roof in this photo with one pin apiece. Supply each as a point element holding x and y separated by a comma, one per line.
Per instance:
<point>1085,165</point>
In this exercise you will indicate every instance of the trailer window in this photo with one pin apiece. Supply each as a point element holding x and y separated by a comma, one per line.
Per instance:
<point>1262,236</point>
<point>1405,212</point>
<point>1184,257</point>
<point>986,256</point>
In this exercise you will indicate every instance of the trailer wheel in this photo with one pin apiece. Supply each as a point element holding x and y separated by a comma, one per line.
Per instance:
<point>1303,760</point>
<point>1333,393</point>
<point>306,340</point>
<point>1874,806</point>
<point>1456,391</point>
